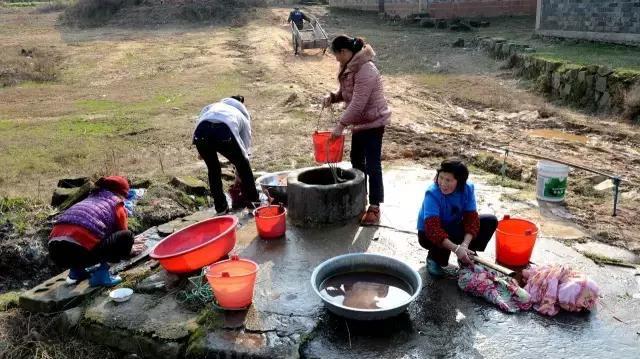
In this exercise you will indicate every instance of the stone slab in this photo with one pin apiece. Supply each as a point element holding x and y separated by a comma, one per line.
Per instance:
<point>190,185</point>
<point>148,325</point>
<point>241,344</point>
<point>54,295</point>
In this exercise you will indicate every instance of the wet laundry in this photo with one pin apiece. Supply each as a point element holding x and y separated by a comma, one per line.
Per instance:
<point>503,292</point>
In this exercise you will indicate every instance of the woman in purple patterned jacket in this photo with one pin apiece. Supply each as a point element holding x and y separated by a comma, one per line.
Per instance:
<point>93,231</point>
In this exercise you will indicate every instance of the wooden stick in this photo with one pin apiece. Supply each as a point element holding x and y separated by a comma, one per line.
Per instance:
<point>494,266</point>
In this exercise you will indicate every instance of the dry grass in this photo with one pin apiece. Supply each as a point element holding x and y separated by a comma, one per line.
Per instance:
<point>135,13</point>
<point>18,65</point>
<point>35,336</point>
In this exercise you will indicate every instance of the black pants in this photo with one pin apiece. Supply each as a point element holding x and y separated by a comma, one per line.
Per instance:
<point>366,155</point>
<point>112,249</point>
<point>211,139</point>
<point>488,224</point>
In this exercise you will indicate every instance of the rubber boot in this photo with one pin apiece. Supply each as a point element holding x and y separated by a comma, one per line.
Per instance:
<point>76,275</point>
<point>101,277</point>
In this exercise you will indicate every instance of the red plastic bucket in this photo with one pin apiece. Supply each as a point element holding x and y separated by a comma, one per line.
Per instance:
<point>232,282</point>
<point>271,221</point>
<point>515,239</point>
<point>325,149</point>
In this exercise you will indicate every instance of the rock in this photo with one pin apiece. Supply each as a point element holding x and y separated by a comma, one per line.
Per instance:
<point>601,84</point>
<point>604,186</point>
<point>70,196</point>
<point>458,43</point>
<point>556,81</point>
<point>141,183</point>
<point>146,325</point>
<point>201,215</point>
<point>68,320</point>
<point>237,344</point>
<point>72,182</point>
<point>596,179</point>
<point>460,27</point>
<point>61,194</point>
<point>54,295</point>
<point>604,71</point>
<point>162,281</point>
<point>604,103</point>
<point>566,90</point>
<point>160,210</point>
<point>173,226</point>
<point>582,77</point>
<point>631,195</point>
<point>190,185</point>
<point>428,23</point>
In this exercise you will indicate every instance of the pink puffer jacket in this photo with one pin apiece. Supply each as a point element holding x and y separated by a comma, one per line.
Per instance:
<point>361,90</point>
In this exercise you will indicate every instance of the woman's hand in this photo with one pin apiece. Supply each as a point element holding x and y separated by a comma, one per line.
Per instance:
<point>138,245</point>
<point>326,101</point>
<point>464,254</point>
<point>337,131</point>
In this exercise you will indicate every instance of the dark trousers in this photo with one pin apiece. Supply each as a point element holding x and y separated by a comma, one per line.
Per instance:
<point>366,155</point>
<point>112,249</point>
<point>211,139</point>
<point>488,224</point>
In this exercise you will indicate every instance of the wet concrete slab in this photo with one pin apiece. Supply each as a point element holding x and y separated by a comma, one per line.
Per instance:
<point>287,319</point>
<point>445,322</point>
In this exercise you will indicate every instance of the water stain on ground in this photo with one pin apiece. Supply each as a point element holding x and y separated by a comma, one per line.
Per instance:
<point>557,135</point>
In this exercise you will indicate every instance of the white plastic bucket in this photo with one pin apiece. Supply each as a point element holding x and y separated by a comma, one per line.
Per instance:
<point>552,181</point>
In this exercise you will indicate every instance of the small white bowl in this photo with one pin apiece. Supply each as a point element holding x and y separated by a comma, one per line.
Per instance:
<point>121,294</point>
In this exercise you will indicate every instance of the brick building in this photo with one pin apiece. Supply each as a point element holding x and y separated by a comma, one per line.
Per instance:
<point>601,20</point>
<point>444,9</point>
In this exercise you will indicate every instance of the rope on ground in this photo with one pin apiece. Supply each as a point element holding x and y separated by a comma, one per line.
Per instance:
<point>199,295</point>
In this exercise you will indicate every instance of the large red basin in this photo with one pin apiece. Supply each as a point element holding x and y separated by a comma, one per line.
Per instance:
<point>198,245</point>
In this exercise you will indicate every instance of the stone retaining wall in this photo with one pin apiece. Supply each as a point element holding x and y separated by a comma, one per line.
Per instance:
<point>595,88</point>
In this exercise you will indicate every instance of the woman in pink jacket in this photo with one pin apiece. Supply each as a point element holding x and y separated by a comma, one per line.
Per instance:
<point>366,112</point>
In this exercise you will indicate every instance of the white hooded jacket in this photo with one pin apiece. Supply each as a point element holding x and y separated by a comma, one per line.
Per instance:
<point>235,115</point>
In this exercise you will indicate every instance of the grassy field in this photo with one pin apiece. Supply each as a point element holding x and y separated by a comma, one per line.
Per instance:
<point>521,29</point>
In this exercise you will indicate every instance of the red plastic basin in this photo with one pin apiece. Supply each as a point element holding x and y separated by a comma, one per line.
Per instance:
<point>198,245</point>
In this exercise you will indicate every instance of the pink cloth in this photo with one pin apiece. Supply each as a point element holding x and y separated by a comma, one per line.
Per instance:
<point>362,90</point>
<point>555,287</point>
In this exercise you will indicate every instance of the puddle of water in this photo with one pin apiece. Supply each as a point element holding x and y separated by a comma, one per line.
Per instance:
<point>363,290</point>
<point>557,135</point>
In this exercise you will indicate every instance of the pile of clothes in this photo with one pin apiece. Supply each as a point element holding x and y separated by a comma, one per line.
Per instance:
<point>548,289</point>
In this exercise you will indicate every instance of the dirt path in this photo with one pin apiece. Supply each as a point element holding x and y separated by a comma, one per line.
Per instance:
<point>429,125</point>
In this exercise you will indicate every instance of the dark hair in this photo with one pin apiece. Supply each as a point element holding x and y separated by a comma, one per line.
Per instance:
<point>238,97</point>
<point>458,169</point>
<point>354,44</point>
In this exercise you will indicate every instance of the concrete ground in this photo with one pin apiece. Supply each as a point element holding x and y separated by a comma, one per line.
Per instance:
<point>288,320</point>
